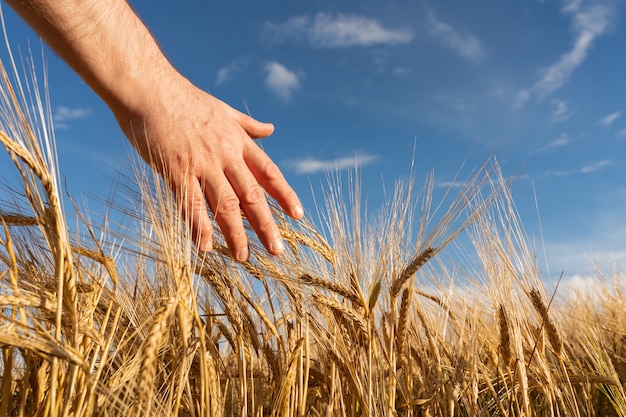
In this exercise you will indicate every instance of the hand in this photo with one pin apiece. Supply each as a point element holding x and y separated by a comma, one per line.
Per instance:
<point>204,150</point>
<point>201,146</point>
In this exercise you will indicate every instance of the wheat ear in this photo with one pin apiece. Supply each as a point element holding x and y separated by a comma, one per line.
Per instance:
<point>331,286</point>
<point>419,261</point>
<point>553,335</point>
<point>505,335</point>
<point>344,311</point>
<point>147,373</point>
<point>403,320</point>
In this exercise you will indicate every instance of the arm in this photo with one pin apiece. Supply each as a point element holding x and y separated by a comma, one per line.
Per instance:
<point>199,144</point>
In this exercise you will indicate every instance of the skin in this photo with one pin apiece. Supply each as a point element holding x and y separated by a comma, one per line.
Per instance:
<point>201,146</point>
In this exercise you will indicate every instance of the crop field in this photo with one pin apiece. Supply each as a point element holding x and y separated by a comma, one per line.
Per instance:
<point>369,314</point>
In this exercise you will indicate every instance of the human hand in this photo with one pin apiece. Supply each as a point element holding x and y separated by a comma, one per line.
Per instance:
<point>204,150</point>
<point>201,146</point>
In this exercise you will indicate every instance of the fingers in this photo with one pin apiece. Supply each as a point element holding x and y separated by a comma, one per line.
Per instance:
<point>254,205</point>
<point>269,177</point>
<point>194,210</point>
<point>241,187</point>
<point>239,190</point>
<point>253,127</point>
<point>225,206</point>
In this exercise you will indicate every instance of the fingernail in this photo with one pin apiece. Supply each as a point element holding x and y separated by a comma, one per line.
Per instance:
<point>277,246</point>
<point>298,211</point>
<point>243,254</point>
<point>205,244</point>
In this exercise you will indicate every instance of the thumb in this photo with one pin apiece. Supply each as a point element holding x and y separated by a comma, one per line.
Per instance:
<point>253,127</point>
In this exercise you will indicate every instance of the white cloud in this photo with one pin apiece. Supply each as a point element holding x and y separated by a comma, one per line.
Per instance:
<point>607,121</point>
<point>561,111</point>
<point>65,114</point>
<point>576,286</point>
<point>326,30</point>
<point>561,141</point>
<point>281,81</point>
<point>465,44</point>
<point>521,98</point>
<point>226,73</point>
<point>597,244</point>
<point>401,71</point>
<point>596,166</point>
<point>313,166</point>
<point>592,286</point>
<point>556,173</point>
<point>590,19</point>
<point>452,102</point>
<point>586,169</point>
<point>621,133</point>
<point>452,184</point>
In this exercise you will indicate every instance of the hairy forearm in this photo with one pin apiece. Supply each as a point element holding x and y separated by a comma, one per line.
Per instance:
<point>104,42</point>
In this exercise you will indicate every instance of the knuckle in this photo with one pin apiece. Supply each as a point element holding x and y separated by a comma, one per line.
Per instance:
<point>190,201</point>
<point>254,195</point>
<point>196,204</point>
<point>267,228</point>
<point>271,171</point>
<point>228,205</point>
<point>291,197</point>
<point>236,238</point>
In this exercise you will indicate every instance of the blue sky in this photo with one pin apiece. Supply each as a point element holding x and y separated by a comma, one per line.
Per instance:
<point>541,83</point>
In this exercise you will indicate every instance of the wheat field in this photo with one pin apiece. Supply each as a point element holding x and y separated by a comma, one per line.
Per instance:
<point>384,314</point>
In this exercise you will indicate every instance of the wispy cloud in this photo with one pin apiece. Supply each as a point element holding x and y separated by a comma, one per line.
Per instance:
<point>326,30</point>
<point>596,166</point>
<point>562,140</point>
<point>465,44</point>
<point>590,19</point>
<point>585,169</point>
<point>63,115</point>
<point>227,72</point>
<point>452,184</point>
<point>306,166</point>
<point>555,173</point>
<point>560,111</point>
<point>88,155</point>
<point>401,71</point>
<point>281,81</point>
<point>621,133</point>
<point>452,102</point>
<point>521,98</point>
<point>607,121</point>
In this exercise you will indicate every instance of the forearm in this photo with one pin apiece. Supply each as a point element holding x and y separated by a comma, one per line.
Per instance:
<point>105,43</point>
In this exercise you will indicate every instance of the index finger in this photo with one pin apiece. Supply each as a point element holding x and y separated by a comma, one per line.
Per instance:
<point>269,177</point>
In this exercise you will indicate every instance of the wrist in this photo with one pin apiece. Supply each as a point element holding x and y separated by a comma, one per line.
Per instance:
<point>130,93</point>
